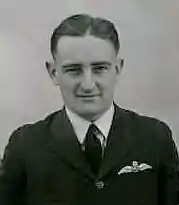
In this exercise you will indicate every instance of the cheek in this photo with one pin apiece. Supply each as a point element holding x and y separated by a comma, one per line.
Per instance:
<point>109,84</point>
<point>67,87</point>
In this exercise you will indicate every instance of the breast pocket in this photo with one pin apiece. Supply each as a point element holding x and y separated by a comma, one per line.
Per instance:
<point>141,186</point>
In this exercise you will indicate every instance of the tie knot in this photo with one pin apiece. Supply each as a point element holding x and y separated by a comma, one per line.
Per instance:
<point>93,127</point>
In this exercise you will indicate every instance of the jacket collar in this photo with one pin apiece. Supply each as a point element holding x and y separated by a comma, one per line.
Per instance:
<point>81,125</point>
<point>63,142</point>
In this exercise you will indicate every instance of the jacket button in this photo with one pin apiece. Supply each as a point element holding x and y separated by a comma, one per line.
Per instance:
<point>99,184</point>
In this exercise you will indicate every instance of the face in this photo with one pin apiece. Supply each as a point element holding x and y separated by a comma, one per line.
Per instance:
<point>86,70</point>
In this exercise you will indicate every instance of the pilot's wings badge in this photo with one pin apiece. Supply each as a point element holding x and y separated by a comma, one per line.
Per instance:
<point>134,168</point>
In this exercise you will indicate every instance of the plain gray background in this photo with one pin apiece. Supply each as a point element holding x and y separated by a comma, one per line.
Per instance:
<point>149,32</point>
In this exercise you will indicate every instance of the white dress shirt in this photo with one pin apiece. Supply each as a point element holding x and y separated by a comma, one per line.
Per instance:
<point>81,125</point>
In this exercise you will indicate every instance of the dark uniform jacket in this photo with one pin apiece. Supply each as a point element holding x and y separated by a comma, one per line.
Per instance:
<point>43,164</point>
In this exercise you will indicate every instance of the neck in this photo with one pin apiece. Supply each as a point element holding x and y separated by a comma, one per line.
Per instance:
<point>91,117</point>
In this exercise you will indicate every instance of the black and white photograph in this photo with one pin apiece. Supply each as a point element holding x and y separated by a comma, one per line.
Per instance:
<point>89,105</point>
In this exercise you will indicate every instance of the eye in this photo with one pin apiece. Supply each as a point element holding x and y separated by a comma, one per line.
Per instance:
<point>74,71</point>
<point>100,68</point>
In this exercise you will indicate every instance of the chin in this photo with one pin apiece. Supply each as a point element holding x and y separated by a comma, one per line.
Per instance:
<point>90,113</point>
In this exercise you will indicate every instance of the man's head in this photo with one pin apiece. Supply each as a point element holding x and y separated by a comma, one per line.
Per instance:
<point>85,64</point>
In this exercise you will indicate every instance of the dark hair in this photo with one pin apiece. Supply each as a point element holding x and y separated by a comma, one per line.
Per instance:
<point>82,24</point>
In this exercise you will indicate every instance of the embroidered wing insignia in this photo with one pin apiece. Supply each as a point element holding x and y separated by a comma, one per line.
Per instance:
<point>126,169</point>
<point>144,166</point>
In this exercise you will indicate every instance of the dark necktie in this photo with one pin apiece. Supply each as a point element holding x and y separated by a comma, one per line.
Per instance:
<point>93,149</point>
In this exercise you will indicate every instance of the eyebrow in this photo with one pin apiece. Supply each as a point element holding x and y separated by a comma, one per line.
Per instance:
<point>71,65</point>
<point>101,63</point>
<point>93,64</point>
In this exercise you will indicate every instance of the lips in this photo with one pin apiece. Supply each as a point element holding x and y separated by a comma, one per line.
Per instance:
<point>87,96</point>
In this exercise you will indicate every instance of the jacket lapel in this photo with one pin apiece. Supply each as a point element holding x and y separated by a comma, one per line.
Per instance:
<point>120,141</point>
<point>64,143</point>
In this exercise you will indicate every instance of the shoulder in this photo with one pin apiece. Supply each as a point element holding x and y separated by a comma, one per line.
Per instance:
<point>32,130</point>
<point>30,136</point>
<point>149,132</point>
<point>145,124</point>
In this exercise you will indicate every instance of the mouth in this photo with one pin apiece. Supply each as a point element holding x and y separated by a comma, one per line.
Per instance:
<point>88,97</point>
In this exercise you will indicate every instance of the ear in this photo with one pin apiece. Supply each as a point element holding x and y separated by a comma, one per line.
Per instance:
<point>119,65</point>
<point>122,62</point>
<point>51,69</point>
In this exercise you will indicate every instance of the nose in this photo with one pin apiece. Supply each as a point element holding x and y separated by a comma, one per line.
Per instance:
<point>87,82</point>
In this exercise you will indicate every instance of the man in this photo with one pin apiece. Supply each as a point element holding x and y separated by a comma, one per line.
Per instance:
<point>91,151</point>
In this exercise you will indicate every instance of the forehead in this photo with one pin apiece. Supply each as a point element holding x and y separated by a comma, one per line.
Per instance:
<point>84,49</point>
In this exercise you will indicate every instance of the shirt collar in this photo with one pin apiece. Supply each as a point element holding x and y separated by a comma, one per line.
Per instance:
<point>81,125</point>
